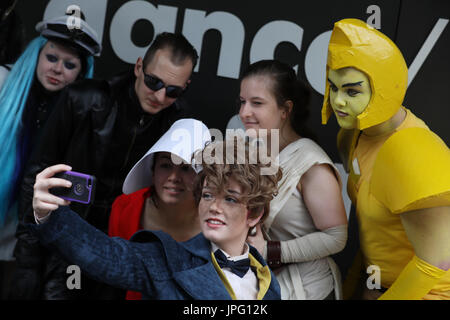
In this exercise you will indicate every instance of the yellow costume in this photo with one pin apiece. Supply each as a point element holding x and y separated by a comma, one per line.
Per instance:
<point>404,169</point>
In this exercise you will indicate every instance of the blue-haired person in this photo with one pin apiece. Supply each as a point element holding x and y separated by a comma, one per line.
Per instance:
<point>62,54</point>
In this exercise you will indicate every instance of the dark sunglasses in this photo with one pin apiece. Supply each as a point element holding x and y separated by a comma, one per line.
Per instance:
<point>155,84</point>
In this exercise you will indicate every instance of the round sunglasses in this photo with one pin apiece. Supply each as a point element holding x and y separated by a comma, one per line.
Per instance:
<point>155,84</point>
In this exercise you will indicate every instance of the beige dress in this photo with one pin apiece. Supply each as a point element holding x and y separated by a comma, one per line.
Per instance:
<point>290,219</point>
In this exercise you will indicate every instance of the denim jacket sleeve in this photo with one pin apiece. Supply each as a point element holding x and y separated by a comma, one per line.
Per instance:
<point>114,261</point>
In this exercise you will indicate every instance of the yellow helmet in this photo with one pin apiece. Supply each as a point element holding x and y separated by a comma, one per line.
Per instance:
<point>355,44</point>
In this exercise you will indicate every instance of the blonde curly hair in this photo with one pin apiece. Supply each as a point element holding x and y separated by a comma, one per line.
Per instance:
<point>234,159</point>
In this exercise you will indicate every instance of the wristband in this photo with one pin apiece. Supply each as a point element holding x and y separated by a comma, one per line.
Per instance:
<point>43,219</point>
<point>274,254</point>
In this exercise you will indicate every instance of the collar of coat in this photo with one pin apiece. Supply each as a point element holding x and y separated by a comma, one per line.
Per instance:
<point>190,276</point>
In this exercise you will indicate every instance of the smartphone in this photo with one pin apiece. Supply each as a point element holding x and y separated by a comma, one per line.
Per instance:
<point>82,190</point>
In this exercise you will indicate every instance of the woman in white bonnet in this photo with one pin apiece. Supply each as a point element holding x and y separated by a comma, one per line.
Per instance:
<point>158,193</point>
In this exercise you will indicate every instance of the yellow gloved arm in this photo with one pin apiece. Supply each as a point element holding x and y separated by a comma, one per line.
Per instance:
<point>414,282</point>
<point>428,230</point>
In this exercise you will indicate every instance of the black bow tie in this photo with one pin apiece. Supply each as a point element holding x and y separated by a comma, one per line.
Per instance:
<point>239,267</point>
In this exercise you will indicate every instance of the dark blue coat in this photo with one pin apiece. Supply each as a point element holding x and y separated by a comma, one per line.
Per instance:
<point>151,262</point>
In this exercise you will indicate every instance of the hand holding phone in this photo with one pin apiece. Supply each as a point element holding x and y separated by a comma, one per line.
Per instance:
<point>82,189</point>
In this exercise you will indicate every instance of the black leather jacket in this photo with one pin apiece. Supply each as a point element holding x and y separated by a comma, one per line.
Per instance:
<point>98,128</point>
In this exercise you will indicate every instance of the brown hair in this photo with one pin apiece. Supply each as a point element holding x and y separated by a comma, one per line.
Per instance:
<point>286,86</point>
<point>180,49</point>
<point>259,189</point>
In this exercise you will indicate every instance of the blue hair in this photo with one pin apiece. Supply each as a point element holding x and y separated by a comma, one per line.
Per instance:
<point>13,97</point>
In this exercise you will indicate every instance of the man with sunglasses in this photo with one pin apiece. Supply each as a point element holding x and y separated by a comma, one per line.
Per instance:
<point>103,128</point>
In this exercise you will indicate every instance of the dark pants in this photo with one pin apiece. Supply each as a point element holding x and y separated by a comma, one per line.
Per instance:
<point>6,274</point>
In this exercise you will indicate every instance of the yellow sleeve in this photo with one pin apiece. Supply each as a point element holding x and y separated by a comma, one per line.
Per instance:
<point>412,171</point>
<point>414,282</point>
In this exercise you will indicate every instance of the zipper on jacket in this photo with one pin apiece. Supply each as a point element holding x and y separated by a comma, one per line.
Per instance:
<point>133,139</point>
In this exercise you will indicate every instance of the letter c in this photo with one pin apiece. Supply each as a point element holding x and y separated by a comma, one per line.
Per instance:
<point>316,61</point>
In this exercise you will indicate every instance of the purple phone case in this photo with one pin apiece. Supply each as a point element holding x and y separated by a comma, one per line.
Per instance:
<point>83,177</point>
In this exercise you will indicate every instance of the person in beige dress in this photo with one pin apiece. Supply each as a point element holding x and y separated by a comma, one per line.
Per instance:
<point>307,221</point>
